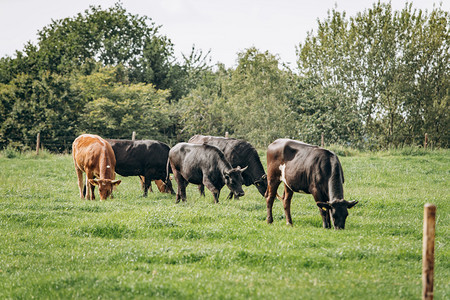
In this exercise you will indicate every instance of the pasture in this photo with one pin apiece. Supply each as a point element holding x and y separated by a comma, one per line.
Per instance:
<point>54,245</point>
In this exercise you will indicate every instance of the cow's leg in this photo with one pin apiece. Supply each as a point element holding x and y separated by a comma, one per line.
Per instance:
<point>319,197</point>
<point>201,189</point>
<point>181,183</point>
<point>92,191</point>
<point>287,204</point>
<point>168,187</point>
<point>325,218</point>
<point>147,186</point>
<point>216,196</point>
<point>142,180</point>
<point>230,196</point>
<point>212,188</point>
<point>272,188</point>
<point>80,182</point>
<point>89,189</point>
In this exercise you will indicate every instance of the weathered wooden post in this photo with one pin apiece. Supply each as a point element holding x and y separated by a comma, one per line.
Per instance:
<point>226,134</point>
<point>133,136</point>
<point>38,142</point>
<point>425,143</point>
<point>322,143</point>
<point>429,221</point>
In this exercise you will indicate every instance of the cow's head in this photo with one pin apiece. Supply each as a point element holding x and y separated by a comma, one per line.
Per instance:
<point>261,184</point>
<point>338,210</point>
<point>234,180</point>
<point>105,186</point>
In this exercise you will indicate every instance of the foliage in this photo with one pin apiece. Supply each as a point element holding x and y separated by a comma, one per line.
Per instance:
<point>326,111</point>
<point>249,102</point>
<point>375,80</point>
<point>115,109</point>
<point>396,63</point>
<point>46,104</point>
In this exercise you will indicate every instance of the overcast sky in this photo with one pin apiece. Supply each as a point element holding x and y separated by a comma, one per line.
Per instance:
<point>224,26</point>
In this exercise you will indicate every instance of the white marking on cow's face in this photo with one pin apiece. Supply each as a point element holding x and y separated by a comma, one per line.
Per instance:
<point>108,166</point>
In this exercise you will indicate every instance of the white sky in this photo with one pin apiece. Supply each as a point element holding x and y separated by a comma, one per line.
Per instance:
<point>226,27</point>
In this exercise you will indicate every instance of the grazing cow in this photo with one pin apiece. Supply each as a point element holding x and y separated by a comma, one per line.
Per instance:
<point>203,164</point>
<point>238,153</point>
<point>146,159</point>
<point>94,156</point>
<point>309,169</point>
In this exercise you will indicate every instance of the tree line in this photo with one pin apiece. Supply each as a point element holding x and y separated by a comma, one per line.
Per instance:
<point>374,80</point>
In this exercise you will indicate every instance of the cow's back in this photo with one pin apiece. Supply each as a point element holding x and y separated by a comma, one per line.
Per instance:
<point>302,166</point>
<point>197,158</point>
<point>238,153</point>
<point>88,149</point>
<point>233,149</point>
<point>138,157</point>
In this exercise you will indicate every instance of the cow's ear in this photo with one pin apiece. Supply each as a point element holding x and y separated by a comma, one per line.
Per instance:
<point>350,204</point>
<point>116,182</point>
<point>93,181</point>
<point>323,205</point>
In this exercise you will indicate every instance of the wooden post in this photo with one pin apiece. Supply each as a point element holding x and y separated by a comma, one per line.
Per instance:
<point>133,136</point>
<point>429,220</point>
<point>38,142</point>
<point>321,141</point>
<point>425,143</point>
<point>226,134</point>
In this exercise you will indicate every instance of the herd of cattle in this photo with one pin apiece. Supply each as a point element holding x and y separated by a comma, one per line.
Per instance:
<point>214,162</point>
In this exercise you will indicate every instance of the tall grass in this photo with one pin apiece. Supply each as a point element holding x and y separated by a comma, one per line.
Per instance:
<point>54,245</point>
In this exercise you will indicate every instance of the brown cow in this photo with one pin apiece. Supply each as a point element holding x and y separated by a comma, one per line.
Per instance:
<point>309,169</point>
<point>94,156</point>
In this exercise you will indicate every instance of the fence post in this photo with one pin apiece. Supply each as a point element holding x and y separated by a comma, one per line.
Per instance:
<point>322,141</point>
<point>226,134</point>
<point>38,142</point>
<point>429,221</point>
<point>133,136</point>
<point>425,143</point>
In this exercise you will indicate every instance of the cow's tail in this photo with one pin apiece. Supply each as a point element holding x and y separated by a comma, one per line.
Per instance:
<point>336,190</point>
<point>167,181</point>
<point>168,170</point>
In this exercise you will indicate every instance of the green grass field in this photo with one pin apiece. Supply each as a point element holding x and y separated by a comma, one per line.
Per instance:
<point>54,245</point>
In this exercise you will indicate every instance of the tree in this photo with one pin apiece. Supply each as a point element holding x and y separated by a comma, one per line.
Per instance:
<point>250,102</point>
<point>116,109</point>
<point>396,63</point>
<point>47,105</point>
<point>98,61</point>
<point>326,111</point>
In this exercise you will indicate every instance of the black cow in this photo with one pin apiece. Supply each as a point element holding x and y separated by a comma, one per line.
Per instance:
<point>309,169</point>
<point>145,158</point>
<point>238,153</point>
<point>203,164</point>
